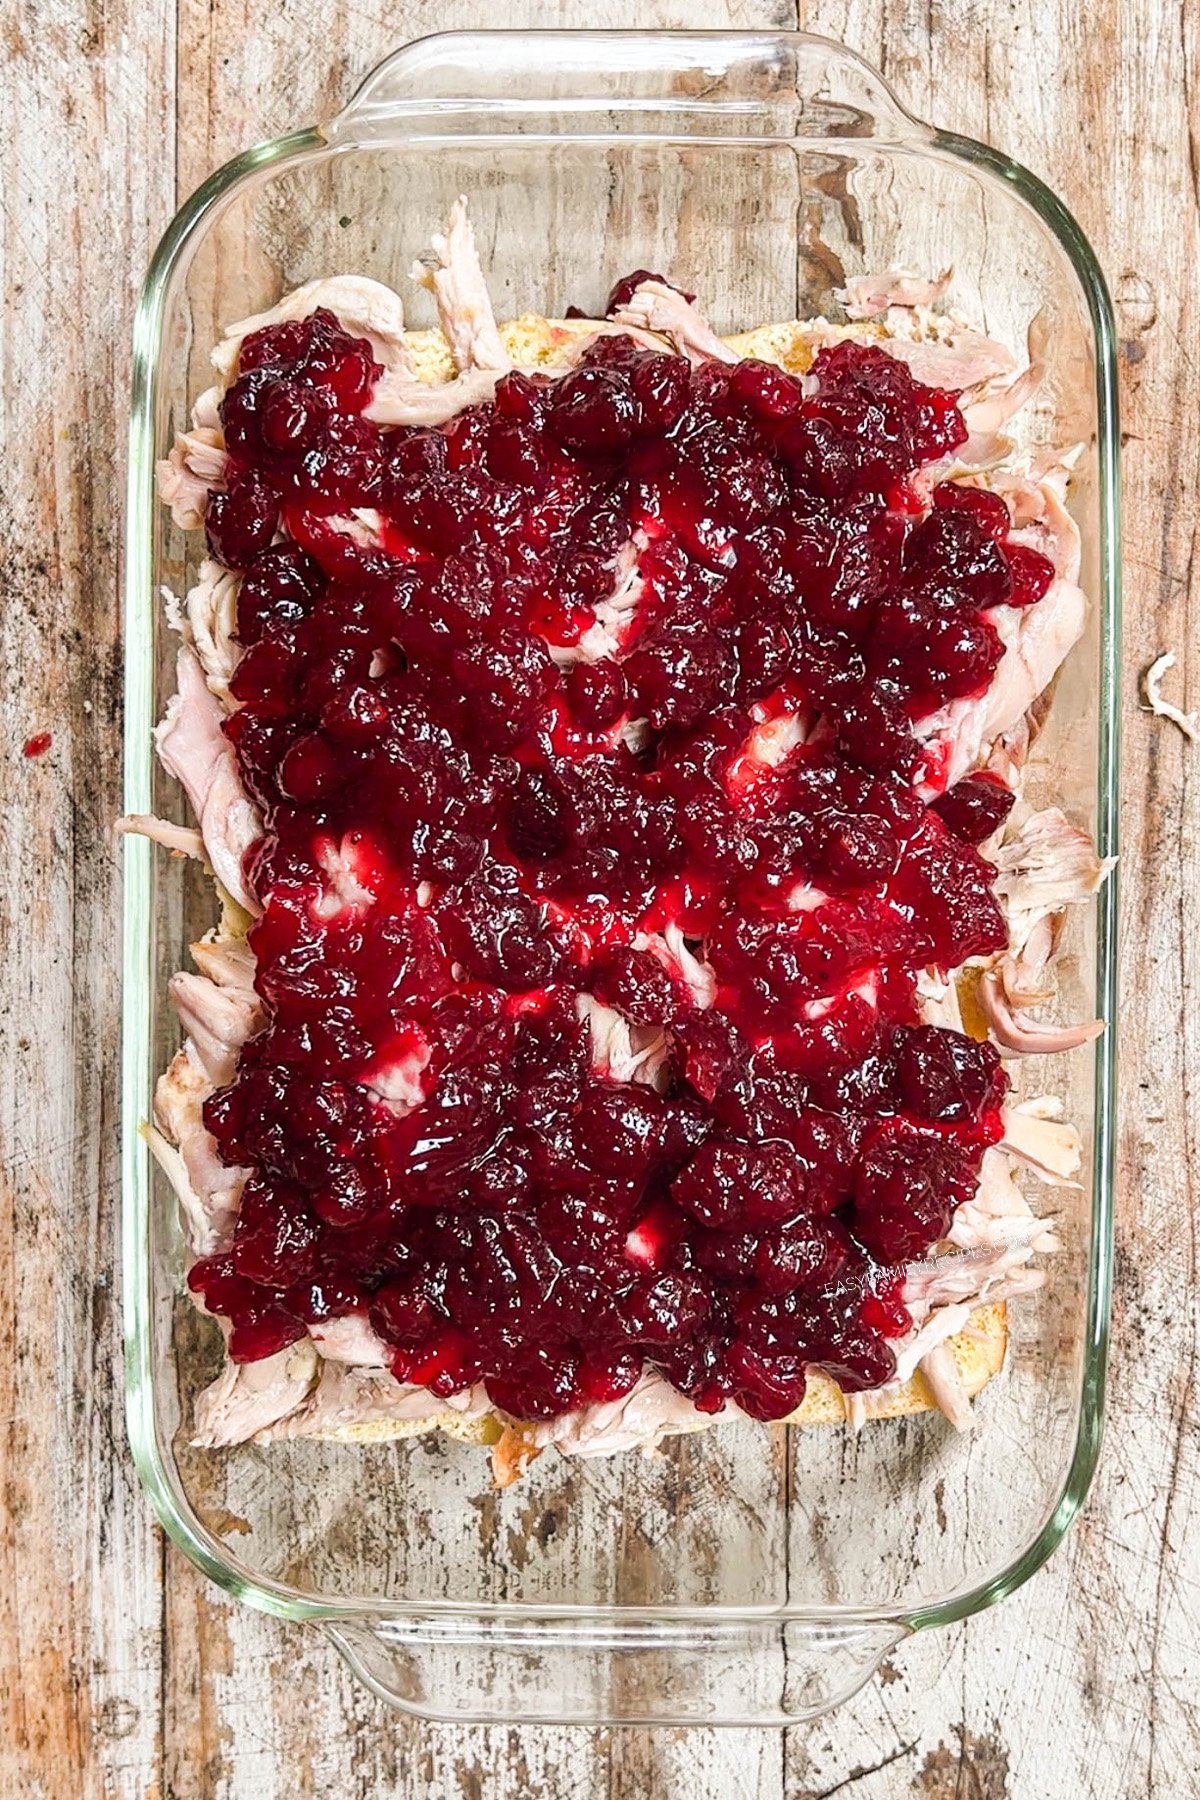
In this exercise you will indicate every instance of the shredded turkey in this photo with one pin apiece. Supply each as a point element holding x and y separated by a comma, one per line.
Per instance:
<point>649,1412</point>
<point>697,975</point>
<point>946,1388</point>
<point>989,414</point>
<point>363,307</point>
<point>944,350</point>
<point>229,961</point>
<point>1050,529</point>
<point>964,1277</point>
<point>182,840</point>
<point>653,306</point>
<point>1013,1030</point>
<point>196,751</point>
<point>866,295</point>
<point>614,613</point>
<point>1037,641</point>
<point>211,613</point>
<point>402,398</point>
<point>350,1340</point>
<point>455,279</point>
<point>1156,701</point>
<point>621,1050</point>
<point>209,1190</point>
<point>249,1398</point>
<point>397,1077</point>
<point>997,1192</point>
<point>1026,968</point>
<point>1046,864</point>
<point>938,1002</point>
<point>342,866</point>
<point>343,1395</point>
<point>218,1020</point>
<point>943,1322</point>
<point>220,1010</point>
<point>974,1228</point>
<point>1043,1142</point>
<point>194,465</point>
<point>965,361</point>
<point>192,1211</point>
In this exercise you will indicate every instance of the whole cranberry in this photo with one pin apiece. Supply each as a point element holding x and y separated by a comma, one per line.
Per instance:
<point>636,983</point>
<point>293,416</point>
<point>988,509</point>
<point>661,386</point>
<point>595,411</point>
<point>596,694</point>
<point>523,398</point>
<point>1031,572</point>
<point>262,1330</point>
<point>765,1385</point>
<point>505,678</point>
<point>275,1239</point>
<point>407,1312</point>
<point>944,1075</point>
<point>240,520</point>
<point>975,807</point>
<point>727,1185</point>
<point>767,391</point>
<point>279,589</point>
<point>902,1199</point>
<point>678,676</point>
<point>664,1309</point>
<point>623,290</point>
<point>855,849</point>
<point>792,1260</point>
<point>954,546</point>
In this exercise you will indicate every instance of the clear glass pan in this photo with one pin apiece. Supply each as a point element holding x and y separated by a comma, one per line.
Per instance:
<point>744,1575</point>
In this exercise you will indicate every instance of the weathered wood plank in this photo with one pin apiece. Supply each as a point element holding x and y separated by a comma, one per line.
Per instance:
<point>1078,1685</point>
<point>80,1566</point>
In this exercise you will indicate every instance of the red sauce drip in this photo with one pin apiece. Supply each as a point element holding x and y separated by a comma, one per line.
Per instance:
<point>465,834</point>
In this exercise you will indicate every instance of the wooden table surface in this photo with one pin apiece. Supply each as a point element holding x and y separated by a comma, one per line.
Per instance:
<point>121,1671</point>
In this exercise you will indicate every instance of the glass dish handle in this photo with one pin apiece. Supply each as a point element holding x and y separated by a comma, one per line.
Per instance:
<point>775,84</point>
<point>653,1671</point>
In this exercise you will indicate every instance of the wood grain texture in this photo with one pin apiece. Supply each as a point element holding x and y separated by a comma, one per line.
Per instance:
<point>121,1671</point>
<point>80,1566</point>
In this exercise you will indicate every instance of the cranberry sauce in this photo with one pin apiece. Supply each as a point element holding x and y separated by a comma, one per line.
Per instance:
<point>595,879</point>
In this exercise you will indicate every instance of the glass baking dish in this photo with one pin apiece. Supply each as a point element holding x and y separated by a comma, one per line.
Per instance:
<point>745,1575</point>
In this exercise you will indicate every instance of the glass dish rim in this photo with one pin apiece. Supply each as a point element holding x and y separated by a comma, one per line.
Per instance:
<point>150,1460</point>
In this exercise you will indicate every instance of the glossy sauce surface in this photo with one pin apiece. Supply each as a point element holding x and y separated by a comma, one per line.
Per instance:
<point>595,880</point>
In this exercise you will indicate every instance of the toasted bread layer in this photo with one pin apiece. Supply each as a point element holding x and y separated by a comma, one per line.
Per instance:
<point>978,1351</point>
<point>537,343</point>
<point>484,1430</point>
